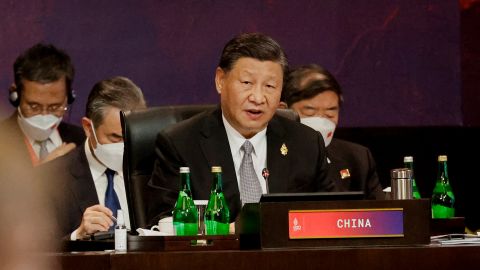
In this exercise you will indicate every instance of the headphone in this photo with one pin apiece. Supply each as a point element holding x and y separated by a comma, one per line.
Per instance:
<point>14,96</point>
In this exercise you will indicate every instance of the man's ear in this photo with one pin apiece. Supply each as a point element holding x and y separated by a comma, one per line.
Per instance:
<point>12,88</point>
<point>282,105</point>
<point>87,126</point>
<point>219,79</point>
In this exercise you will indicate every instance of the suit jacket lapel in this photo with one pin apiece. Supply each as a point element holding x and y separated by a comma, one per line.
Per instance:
<point>277,160</point>
<point>336,166</point>
<point>83,187</point>
<point>214,137</point>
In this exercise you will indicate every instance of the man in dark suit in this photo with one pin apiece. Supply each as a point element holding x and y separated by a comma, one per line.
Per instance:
<point>88,184</point>
<point>316,95</point>
<point>249,80</point>
<point>41,93</point>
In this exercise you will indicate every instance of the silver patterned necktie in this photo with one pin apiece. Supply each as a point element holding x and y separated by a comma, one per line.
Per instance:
<point>250,189</point>
<point>43,149</point>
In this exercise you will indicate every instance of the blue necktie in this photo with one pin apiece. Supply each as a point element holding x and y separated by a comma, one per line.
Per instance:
<point>111,198</point>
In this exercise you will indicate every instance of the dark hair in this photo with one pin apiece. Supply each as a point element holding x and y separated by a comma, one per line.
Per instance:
<point>117,92</point>
<point>254,45</point>
<point>311,90</point>
<point>43,63</point>
<point>295,77</point>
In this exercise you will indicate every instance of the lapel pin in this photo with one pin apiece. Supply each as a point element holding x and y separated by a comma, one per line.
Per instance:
<point>284,150</point>
<point>345,173</point>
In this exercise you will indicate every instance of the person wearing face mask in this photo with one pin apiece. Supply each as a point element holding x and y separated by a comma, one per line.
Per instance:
<point>41,94</point>
<point>317,97</point>
<point>89,187</point>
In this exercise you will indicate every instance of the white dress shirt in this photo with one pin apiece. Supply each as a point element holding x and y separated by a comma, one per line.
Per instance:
<point>97,170</point>
<point>259,154</point>
<point>53,142</point>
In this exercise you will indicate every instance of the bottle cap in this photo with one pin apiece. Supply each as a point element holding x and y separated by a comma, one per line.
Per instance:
<point>442,158</point>
<point>408,159</point>
<point>216,169</point>
<point>184,169</point>
<point>401,173</point>
<point>120,219</point>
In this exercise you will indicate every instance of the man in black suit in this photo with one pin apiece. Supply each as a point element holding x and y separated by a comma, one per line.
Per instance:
<point>249,80</point>
<point>83,190</point>
<point>41,93</point>
<point>317,97</point>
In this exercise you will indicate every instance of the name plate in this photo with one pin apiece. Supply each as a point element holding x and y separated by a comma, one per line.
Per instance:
<point>345,223</point>
<point>334,223</point>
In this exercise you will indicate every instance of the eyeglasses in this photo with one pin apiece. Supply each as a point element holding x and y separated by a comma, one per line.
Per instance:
<point>38,109</point>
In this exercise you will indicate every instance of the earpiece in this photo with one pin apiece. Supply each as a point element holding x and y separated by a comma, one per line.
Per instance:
<point>71,96</point>
<point>14,96</point>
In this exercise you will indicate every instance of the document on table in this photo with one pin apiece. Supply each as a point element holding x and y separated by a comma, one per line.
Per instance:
<point>456,239</point>
<point>147,232</point>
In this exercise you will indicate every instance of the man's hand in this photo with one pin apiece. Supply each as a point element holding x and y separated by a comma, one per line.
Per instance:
<point>63,149</point>
<point>95,218</point>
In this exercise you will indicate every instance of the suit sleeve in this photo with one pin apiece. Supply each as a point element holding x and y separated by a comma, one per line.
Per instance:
<point>164,182</point>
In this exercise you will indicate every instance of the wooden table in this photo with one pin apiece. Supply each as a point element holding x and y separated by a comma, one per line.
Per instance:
<point>414,257</point>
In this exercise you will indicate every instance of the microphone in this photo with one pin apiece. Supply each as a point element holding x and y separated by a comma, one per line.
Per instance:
<point>265,174</point>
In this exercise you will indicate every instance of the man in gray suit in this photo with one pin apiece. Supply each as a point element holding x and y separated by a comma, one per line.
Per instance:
<point>317,97</point>
<point>249,80</point>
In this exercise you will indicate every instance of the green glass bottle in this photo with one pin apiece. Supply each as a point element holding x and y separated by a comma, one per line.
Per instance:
<point>443,200</point>
<point>217,214</point>
<point>185,215</point>
<point>408,162</point>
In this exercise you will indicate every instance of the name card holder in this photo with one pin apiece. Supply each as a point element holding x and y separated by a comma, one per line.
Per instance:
<point>183,243</point>
<point>334,223</point>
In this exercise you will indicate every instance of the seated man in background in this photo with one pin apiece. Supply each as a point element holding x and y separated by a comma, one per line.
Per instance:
<point>249,80</point>
<point>317,97</point>
<point>89,185</point>
<point>41,93</point>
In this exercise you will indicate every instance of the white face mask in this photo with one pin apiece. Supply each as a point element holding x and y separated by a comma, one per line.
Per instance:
<point>111,154</point>
<point>323,125</point>
<point>38,127</point>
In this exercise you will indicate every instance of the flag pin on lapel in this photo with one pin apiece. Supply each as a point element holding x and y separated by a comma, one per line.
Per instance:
<point>284,150</point>
<point>345,173</point>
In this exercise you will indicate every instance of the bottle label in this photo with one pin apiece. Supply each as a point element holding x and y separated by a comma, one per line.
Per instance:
<point>182,228</point>
<point>185,216</point>
<point>216,228</point>
<point>120,239</point>
<point>440,211</point>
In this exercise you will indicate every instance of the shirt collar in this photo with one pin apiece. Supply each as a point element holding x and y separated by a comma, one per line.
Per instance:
<point>236,139</point>
<point>54,137</point>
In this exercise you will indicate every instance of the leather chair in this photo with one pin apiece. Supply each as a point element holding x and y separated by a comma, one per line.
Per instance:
<point>140,129</point>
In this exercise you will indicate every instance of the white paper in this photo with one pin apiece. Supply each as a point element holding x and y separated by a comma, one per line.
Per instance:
<point>456,239</point>
<point>147,232</point>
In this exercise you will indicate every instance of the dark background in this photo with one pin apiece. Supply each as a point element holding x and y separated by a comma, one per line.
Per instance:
<point>398,61</point>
